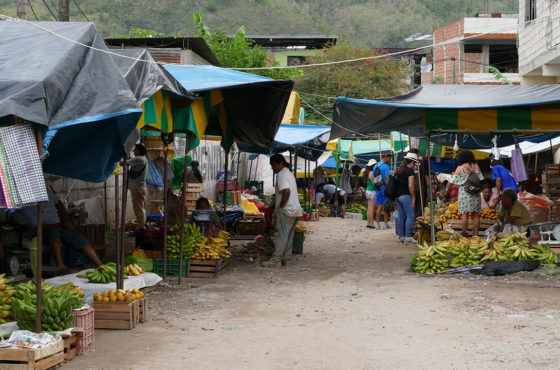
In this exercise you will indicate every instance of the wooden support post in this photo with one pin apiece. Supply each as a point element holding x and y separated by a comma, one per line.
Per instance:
<point>183,209</point>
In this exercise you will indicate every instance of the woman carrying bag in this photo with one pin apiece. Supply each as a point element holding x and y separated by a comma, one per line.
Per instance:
<point>405,195</point>
<point>468,177</point>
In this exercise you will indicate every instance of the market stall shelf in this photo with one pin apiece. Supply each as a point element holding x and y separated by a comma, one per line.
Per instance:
<point>206,268</point>
<point>484,224</point>
<point>36,359</point>
<point>71,346</point>
<point>116,315</point>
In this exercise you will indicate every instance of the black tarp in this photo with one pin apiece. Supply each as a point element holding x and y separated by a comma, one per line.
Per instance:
<point>60,75</point>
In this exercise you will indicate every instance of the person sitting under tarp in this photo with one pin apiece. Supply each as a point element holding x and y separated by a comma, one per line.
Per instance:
<point>58,231</point>
<point>204,204</point>
<point>513,216</point>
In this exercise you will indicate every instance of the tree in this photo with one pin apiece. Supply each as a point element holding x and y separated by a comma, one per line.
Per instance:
<point>240,52</point>
<point>365,79</point>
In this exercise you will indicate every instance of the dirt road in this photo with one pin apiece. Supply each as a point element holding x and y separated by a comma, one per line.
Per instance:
<point>348,303</point>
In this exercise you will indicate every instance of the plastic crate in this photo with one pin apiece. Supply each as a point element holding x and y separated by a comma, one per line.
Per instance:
<point>297,246</point>
<point>250,227</point>
<point>231,185</point>
<point>85,319</point>
<point>172,267</point>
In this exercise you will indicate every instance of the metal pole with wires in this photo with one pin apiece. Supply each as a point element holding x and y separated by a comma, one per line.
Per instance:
<point>432,222</point>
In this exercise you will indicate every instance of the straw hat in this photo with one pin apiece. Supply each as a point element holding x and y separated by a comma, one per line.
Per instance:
<point>411,156</point>
<point>372,162</point>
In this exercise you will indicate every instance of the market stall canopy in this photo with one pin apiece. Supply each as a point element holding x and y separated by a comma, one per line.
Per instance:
<point>247,107</point>
<point>528,147</point>
<point>292,115</point>
<point>467,109</point>
<point>51,75</point>
<point>362,151</point>
<point>311,141</point>
<point>144,75</point>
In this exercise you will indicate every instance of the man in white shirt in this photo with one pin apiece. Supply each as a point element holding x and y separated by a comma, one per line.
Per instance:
<point>286,214</point>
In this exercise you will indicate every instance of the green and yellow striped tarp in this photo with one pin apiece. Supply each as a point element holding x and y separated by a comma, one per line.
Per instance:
<point>529,118</point>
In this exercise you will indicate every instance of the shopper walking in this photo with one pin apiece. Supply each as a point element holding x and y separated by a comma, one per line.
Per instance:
<point>503,178</point>
<point>370,193</point>
<point>286,213</point>
<point>405,195</point>
<point>138,168</point>
<point>468,202</point>
<point>381,174</point>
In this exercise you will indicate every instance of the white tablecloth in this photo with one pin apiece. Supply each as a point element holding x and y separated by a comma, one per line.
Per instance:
<point>133,282</point>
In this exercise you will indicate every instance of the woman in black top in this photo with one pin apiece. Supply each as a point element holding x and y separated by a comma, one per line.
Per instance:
<point>405,196</point>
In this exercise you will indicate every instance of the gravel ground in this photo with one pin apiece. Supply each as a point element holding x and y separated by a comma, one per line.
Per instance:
<point>348,302</point>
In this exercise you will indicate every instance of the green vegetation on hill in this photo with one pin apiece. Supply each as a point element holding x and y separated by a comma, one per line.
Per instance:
<point>379,23</point>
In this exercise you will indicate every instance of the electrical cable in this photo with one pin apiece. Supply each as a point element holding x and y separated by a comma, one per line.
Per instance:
<point>442,44</point>
<point>50,11</point>
<point>32,10</point>
<point>80,9</point>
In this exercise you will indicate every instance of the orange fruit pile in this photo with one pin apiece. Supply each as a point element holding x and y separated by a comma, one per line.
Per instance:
<point>120,295</point>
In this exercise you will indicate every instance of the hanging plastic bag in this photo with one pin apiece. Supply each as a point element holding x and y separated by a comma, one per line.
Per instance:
<point>495,151</point>
<point>518,169</point>
<point>153,178</point>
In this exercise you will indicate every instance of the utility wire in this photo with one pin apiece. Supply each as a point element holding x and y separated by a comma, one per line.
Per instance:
<point>80,9</point>
<point>50,11</point>
<point>32,10</point>
<point>442,44</point>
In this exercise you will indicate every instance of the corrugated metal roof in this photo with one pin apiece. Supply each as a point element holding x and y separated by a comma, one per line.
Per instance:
<point>196,44</point>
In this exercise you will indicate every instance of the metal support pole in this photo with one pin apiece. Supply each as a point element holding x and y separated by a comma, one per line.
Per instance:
<point>183,209</point>
<point>453,70</point>
<point>39,262</point>
<point>432,223</point>
<point>165,204</point>
<point>295,162</point>
<point>120,267</point>
<point>117,227</point>
<point>225,190</point>
<point>305,183</point>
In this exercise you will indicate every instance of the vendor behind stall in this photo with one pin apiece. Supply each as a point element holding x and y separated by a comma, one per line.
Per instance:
<point>503,178</point>
<point>513,215</point>
<point>488,199</point>
<point>58,231</point>
<point>204,204</point>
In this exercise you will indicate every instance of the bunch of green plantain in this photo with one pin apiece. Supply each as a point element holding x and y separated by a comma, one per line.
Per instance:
<point>191,237</point>
<point>76,295</point>
<point>103,274</point>
<point>492,251</point>
<point>7,291</point>
<point>464,256</point>
<point>544,255</point>
<point>430,259</point>
<point>56,307</point>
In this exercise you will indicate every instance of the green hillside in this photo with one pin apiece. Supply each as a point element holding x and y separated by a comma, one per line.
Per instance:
<point>379,23</point>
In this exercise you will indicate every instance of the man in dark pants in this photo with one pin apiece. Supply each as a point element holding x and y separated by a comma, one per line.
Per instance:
<point>286,214</point>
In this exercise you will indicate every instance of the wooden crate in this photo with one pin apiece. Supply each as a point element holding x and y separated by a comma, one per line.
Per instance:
<point>458,224</point>
<point>36,359</point>
<point>115,315</point>
<point>143,310</point>
<point>71,346</point>
<point>206,268</point>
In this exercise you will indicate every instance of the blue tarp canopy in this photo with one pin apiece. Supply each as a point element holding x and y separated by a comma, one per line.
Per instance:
<point>311,141</point>
<point>254,105</point>
<point>470,113</point>
<point>75,92</point>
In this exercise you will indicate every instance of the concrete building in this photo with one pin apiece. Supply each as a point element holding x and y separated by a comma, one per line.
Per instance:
<point>176,50</point>
<point>539,42</point>
<point>474,44</point>
<point>292,50</point>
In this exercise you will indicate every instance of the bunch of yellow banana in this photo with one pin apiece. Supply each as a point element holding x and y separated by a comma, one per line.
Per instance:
<point>430,258</point>
<point>134,269</point>
<point>213,249</point>
<point>223,235</point>
<point>300,228</point>
<point>492,251</point>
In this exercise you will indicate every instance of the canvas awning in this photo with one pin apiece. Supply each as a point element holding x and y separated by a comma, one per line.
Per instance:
<point>77,92</point>
<point>236,105</point>
<point>310,141</point>
<point>466,109</point>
